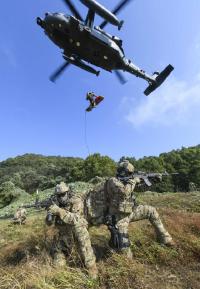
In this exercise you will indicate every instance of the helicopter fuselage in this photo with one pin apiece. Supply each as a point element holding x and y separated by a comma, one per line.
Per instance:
<point>92,45</point>
<point>82,42</point>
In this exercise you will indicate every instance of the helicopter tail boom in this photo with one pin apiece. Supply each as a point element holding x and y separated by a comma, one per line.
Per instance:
<point>154,80</point>
<point>160,78</point>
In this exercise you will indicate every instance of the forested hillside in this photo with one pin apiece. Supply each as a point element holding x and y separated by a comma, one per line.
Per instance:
<point>30,172</point>
<point>185,162</point>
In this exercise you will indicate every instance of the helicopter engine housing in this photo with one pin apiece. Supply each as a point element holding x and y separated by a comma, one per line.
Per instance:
<point>103,12</point>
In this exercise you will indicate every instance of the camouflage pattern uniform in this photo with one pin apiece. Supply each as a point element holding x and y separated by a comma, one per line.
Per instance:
<point>20,216</point>
<point>72,226</point>
<point>64,240</point>
<point>192,187</point>
<point>122,206</point>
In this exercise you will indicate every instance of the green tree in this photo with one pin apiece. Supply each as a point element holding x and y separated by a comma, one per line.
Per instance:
<point>31,181</point>
<point>97,165</point>
<point>8,193</point>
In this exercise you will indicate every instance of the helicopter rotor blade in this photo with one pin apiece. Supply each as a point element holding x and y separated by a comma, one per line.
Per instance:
<point>117,9</point>
<point>120,77</point>
<point>120,6</point>
<point>73,9</point>
<point>58,72</point>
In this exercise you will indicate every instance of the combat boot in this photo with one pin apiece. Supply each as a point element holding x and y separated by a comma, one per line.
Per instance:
<point>59,260</point>
<point>128,253</point>
<point>170,243</point>
<point>93,272</point>
<point>167,240</point>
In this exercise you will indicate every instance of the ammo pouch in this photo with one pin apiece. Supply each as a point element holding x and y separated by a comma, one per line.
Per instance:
<point>126,207</point>
<point>118,201</point>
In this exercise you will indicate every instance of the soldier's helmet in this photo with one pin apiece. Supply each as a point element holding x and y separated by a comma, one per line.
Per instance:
<point>125,168</point>
<point>61,189</point>
<point>89,94</point>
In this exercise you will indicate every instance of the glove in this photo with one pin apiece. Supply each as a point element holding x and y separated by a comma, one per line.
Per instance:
<point>159,177</point>
<point>49,219</point>
<point>134,181</point>
<point>54,210</point>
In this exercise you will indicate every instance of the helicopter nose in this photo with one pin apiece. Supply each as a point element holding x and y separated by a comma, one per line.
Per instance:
<point>48,21</point>
<point>56,21</point>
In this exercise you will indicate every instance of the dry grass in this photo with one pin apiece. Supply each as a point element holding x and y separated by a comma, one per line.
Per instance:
<point>189,202</point>
<point>26,263</point>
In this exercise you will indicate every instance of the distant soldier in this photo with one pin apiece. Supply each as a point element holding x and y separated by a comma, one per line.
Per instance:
<point>20,216</point>
<point>123,209</point>
<point>68,218</point>
<point>192,187</point>
<point>94,100</point>
<point>37,197</point>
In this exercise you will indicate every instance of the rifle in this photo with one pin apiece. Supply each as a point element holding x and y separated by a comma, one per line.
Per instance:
<point>144,176</point>
<point>45,204</point>
<point>114,242</point>
<point>116,238</point>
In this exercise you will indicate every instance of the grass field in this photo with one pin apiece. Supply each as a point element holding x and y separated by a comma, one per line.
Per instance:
<point>25,261</point>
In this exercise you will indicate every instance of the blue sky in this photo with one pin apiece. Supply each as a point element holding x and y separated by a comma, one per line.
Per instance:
<point>40,117</point>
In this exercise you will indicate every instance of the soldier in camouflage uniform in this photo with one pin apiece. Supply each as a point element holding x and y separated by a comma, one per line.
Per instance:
<point>192,187</point>
<point>122,209</point>
<point>20,216</point>
<point>72,225</point>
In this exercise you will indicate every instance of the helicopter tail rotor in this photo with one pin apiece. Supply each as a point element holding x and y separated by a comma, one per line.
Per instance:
<point>159,79</point>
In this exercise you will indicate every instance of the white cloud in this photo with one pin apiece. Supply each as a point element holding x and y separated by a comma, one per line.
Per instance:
<point>197,44</point>
<point>176,102</point>
<point>9,55</point>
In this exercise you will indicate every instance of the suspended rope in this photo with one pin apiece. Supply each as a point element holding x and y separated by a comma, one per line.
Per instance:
<point>85,135</point>
<point>94,101</point>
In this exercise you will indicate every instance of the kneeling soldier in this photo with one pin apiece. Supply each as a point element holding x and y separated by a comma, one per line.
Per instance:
<point>123,209</point>
<point>20,216</point>
<point>72,226</point>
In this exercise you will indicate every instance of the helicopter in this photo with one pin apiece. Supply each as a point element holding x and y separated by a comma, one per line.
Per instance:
<point>84,43</point>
